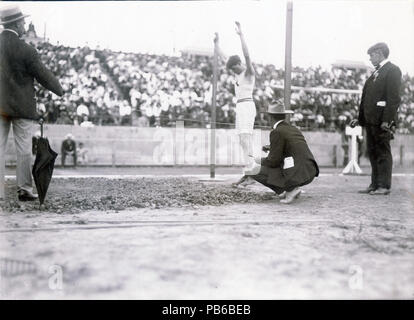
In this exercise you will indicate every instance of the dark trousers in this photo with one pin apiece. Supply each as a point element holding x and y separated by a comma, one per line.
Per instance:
<point>380,156</point>
<point>65,154</point>
<point>261,177</point>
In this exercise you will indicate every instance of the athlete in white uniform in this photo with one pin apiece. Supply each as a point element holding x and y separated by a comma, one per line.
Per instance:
<point>245,107</point>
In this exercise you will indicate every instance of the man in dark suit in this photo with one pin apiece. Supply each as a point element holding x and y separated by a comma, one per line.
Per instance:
<point>19,66</point>
<point>69,149</point>
<point>289,164</point>
<point>378,114</point>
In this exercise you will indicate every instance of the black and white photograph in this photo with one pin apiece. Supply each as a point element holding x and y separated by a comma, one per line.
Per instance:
<point>207,150</point>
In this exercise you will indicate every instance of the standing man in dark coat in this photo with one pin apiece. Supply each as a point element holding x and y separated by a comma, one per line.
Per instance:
<point>378,113</point>
<point>19,66</point>
<point>289,164</point>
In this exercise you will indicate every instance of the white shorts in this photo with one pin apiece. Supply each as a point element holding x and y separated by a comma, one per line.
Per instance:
<point>245,115</point>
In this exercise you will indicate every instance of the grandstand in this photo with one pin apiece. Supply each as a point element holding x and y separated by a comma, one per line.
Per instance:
<point>108,88</point>
<point>164,89</point>
<point>118,88</point>
<point>351,65</point>
<point>193,51</point>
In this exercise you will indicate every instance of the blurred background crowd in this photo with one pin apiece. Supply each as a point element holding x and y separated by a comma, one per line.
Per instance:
<point>133,89</point>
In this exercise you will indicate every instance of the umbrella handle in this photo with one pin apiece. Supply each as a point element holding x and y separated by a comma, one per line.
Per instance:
<point>41,127</point>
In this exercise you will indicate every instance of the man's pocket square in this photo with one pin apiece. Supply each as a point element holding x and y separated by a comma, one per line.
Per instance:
<point>381,104</point>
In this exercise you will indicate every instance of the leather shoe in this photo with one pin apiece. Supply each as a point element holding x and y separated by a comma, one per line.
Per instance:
<point>290,196</point>
<point>367,190</point>
<point>380,192</point>
<point>24,195</point>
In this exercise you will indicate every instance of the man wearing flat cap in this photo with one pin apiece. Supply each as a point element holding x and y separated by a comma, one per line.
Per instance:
<point>19,66</point>
<point>378,113</point>
<point>289,164</point>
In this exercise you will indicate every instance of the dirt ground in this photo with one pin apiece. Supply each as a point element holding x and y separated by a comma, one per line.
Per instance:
<point>332,243</point>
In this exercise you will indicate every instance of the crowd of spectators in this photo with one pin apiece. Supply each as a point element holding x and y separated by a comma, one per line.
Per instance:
<point>113,88</point>
<point>91,96</point>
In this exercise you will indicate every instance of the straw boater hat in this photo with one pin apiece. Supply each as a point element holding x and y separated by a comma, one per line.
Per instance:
<point>277,107</point>
<point>11,14</point>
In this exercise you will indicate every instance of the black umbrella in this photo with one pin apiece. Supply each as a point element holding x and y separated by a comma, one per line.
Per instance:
<point>43,165</point>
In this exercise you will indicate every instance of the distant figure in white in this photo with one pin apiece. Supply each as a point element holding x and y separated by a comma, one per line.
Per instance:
<point>245,107</point>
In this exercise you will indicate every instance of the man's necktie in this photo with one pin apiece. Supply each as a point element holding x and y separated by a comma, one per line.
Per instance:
<point>375,73</point>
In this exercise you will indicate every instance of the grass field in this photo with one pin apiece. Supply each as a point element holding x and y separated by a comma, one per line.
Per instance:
<point>154,237</point>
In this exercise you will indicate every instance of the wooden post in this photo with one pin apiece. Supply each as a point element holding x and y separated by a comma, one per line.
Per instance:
<point>213,112</point>
<point>2,174</point>
<point>335,158</point>
<point>288,55</point>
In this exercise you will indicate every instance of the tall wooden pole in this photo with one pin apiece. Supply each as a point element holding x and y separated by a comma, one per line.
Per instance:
<point>213,112</point>
<point>288,55</point>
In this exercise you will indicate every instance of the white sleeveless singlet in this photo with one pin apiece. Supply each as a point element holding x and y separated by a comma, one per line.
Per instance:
<point>245,107</point>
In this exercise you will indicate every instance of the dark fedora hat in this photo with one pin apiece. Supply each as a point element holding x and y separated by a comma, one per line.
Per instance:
<point>11,14</point>
<point>278,107</point>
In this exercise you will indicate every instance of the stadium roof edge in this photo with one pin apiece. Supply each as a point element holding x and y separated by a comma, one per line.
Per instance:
<point>350,64</point>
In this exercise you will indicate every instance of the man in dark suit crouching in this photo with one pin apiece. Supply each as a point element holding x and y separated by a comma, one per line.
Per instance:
<point>378,113</point>
<point>289,164</point>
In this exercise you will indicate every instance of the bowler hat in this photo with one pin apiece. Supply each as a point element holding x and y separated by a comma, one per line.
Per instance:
<point>277,107</point>
<point>11,14</point>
